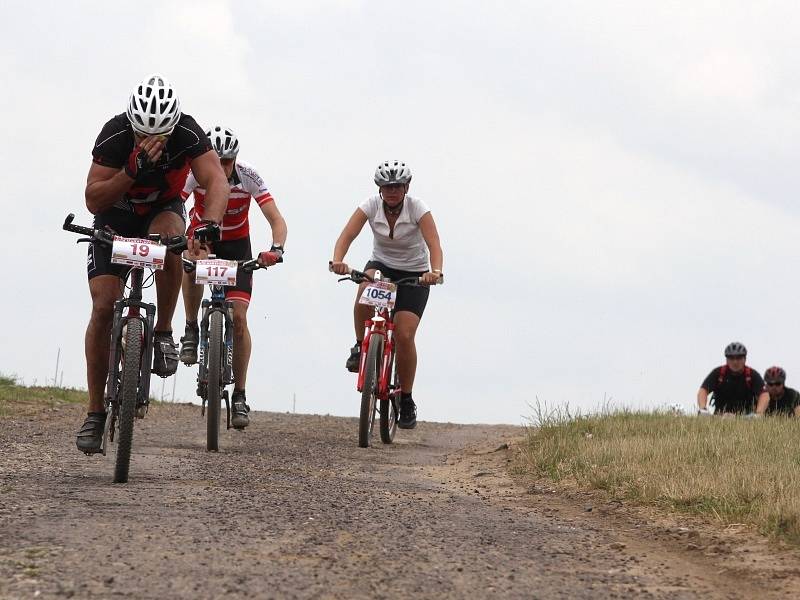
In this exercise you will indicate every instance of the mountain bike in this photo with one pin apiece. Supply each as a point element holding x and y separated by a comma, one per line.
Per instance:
<point>127,393</point>
<point>215,350</point>
<point>378,381</point>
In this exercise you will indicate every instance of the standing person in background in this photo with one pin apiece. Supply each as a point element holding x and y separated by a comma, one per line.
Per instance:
<point>782,400</point>
<point>735,387</point>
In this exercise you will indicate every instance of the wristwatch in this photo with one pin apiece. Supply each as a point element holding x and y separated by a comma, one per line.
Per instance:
<point>278,247</point>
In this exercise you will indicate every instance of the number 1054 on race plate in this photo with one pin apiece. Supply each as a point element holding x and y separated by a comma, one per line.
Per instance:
<point>379,293</point>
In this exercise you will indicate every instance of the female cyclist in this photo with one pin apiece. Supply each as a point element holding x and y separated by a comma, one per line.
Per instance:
<point>406,244</point>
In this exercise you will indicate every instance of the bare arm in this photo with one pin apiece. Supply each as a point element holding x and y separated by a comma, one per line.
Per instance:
<point>702,398</point>
<point>763,403</point>
<point>430,234</point>
<point>349,233</point>
<point>104,187</point>
<point>209,175</point>
<point>276,222</point>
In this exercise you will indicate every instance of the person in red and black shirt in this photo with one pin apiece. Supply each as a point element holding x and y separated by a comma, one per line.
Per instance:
<point>735,388</point>
<point>139,164</point>
<point>783,400</point>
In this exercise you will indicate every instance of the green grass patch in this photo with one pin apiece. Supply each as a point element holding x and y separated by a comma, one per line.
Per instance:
<point>733,470</point>
<point>18,400</point>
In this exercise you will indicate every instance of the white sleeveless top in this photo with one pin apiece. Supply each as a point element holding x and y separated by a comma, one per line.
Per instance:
<point>406,249</point>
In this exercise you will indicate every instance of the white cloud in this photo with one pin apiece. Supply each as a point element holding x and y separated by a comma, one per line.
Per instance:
<point>613,182</point>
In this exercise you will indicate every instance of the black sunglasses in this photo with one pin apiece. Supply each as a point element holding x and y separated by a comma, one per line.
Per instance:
<point>774,383</point>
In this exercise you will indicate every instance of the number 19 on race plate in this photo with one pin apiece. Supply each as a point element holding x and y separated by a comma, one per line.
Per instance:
<point>379,293</point>
<point>138,253</point>
<point>215,271</point>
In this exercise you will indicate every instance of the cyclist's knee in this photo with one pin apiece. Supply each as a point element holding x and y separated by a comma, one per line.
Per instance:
<point>239,318</point>
<point>102,311</point>
<point>404,335</point>
<point>104,295</point>
<point>167,224</point>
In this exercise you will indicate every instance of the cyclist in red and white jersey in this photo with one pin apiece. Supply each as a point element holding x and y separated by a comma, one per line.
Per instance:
<point>246,185</point>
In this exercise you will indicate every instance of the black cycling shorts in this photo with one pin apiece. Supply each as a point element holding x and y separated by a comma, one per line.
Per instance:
<point>133,221</point>
<point>236,250</point>
<point>410,298</point>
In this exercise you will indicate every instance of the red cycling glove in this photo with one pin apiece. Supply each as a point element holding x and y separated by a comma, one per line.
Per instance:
<point>138,163</point>
<point>270,258</point>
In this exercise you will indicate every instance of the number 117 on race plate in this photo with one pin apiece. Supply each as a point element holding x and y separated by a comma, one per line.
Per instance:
<point>215,271</point>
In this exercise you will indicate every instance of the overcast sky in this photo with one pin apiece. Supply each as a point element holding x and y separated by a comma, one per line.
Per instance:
<point>614,184</point>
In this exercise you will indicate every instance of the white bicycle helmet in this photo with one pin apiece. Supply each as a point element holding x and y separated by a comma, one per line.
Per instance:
<point>154,107</point>
<point>224,141</point>
<point>391,172</point>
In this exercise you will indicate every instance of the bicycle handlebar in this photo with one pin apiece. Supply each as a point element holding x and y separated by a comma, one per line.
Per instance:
<point>175,244</point>
<point>360,277</point>
<point>248,265</point>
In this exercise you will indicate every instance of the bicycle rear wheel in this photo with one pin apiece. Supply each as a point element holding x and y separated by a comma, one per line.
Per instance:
<point>388,407</point>
<point>214,388</point>
<point>127,393</point>
<point>370,389</point>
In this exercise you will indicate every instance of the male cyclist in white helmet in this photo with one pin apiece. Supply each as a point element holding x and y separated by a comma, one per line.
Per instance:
<point>139,164</point>
<point>245,184</point>
<point>404,234</point>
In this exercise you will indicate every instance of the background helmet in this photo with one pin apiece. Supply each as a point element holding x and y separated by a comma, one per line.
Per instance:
<point>224,141</point>
<point>774,374</point>
<point>392,171</point>
<point>735,349</point>
<point>153,107</point>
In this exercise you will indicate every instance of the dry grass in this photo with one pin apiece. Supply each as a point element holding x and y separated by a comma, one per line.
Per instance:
<point>733,470</point>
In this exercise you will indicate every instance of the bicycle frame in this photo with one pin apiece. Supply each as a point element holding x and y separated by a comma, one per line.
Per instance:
<point>381,323</point>
<point>130,306</point>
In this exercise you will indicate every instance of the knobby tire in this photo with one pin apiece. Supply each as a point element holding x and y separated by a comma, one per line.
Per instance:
<point>368,392</point>
<point>388,408</point>
<point>214,389</point>
<point>128,393</point>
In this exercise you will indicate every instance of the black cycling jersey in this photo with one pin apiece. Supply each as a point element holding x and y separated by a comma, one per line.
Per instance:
<point>786,404</point>
<point>186,142</point>
<point>734,395</point>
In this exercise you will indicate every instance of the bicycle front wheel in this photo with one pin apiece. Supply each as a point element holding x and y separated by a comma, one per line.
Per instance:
<point>388,407</point>
<point>214,388</point>
<point>370,390</point>
<point>127,393</point>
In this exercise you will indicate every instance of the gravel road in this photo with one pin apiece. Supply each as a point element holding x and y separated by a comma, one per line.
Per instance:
<point>292,508</point>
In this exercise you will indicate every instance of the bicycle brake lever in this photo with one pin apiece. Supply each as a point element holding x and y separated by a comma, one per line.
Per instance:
<point>84,240</point>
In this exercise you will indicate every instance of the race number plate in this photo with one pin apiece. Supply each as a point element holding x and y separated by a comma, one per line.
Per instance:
<point>138,253</point>
<point>216,272</point>
<point>379,293</point>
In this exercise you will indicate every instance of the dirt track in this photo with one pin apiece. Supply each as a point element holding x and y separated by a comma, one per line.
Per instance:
<point>293,509</point>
